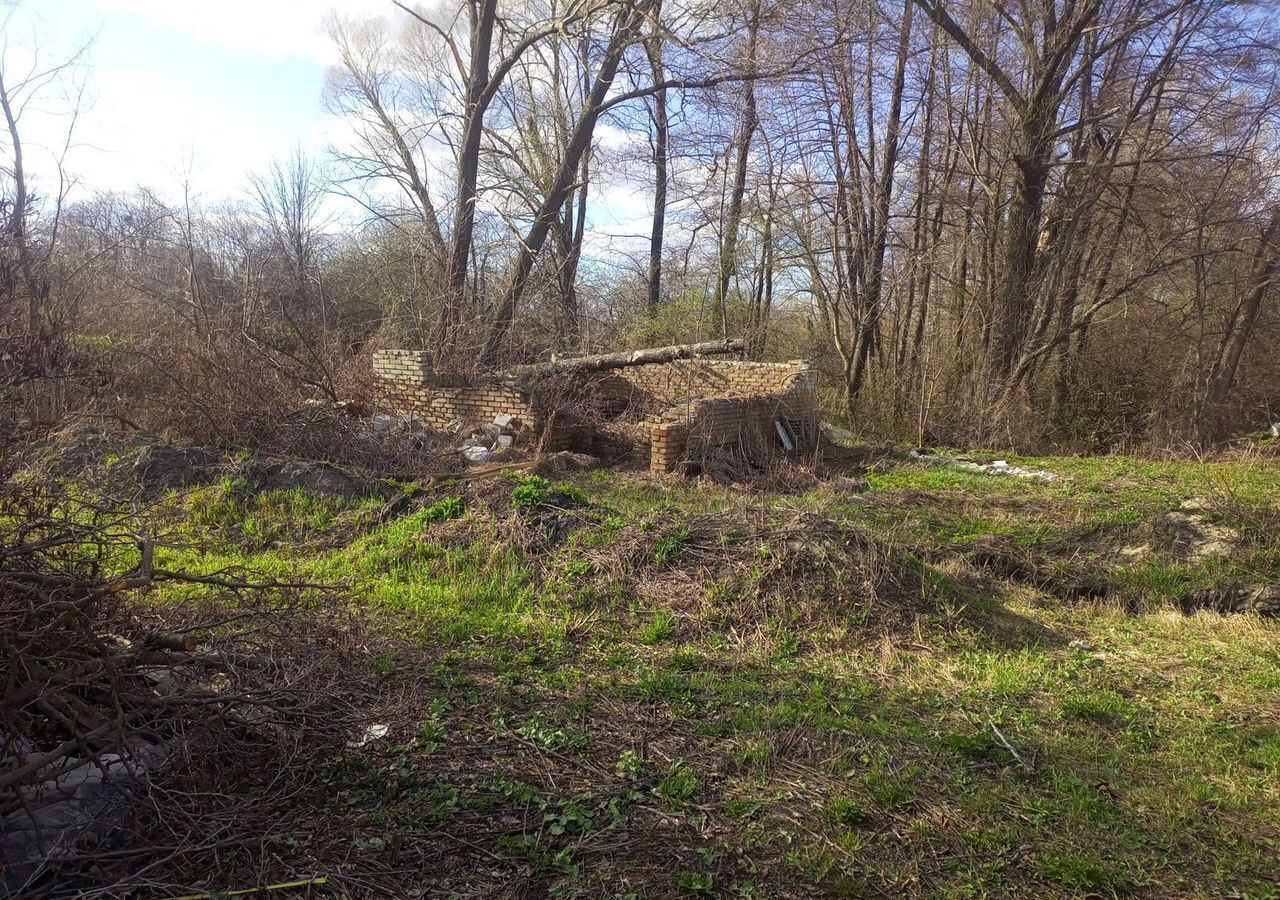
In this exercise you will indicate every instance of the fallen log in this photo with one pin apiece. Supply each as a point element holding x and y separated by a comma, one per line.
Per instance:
<point>184,642</point>
<point>602,362</point>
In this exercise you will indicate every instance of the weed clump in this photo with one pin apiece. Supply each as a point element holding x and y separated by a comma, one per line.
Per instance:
<point>444,510</point>
<point>535,491</point>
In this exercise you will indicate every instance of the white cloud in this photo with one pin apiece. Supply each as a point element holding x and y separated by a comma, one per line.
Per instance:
<point>144,132</point>
<point>177,88</point>
<point>269,28</point>
<point>202,105</point>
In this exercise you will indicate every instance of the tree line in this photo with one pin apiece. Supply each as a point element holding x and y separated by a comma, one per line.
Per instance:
<point>1030,223</point>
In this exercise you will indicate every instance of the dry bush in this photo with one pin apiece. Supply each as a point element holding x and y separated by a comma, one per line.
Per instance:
<point>40,375</point>
<point>233,392</point>
<point>223,391</point>
<point>598,421</point>
<point>148,746</point>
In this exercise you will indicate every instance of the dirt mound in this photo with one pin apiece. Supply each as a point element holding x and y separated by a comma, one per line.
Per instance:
<point>735,571</point>
<point>154,469</point>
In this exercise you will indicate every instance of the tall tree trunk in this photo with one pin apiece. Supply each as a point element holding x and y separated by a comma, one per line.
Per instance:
<point>1022,237</point>
<point>484,14</point>
<point>762,301</point>
<point>661,138</point>
<point>880,227</point>
<point>733,215</point>
<point>1266,262</point>
<point>17,224</point>
<point>575,215</point>
<point>626,26</point>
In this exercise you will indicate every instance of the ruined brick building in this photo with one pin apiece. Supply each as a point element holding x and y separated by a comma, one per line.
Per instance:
<point>694,402</point>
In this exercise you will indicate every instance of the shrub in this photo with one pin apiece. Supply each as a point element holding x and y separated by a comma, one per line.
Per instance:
<point>443,510</point>
<point>534,490</point>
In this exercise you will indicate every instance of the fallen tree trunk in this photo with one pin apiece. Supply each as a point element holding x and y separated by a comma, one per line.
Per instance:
<point>605,361</point>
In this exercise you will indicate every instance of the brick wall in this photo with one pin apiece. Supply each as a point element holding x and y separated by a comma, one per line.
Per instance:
<point>666,445</point>
<point>668,383</point>
<point>746,423</point>
<point>705,403</point>
<point>716,404</point>
<point>405,384</point>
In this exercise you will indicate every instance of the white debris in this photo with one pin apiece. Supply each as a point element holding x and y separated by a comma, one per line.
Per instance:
<point>503,420</point>
<point>370,734</point>
<point>384,424</point>
<point>506,440</point>
<point>836,433</point>
<point>999,467</point>
<point>784,435</point>
<point>477,454</point>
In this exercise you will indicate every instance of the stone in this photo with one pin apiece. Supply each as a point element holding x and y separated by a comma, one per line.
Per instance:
<point>846,485</point>
<point>1198,538</point>
<point>1260,599</point>
<point>999,467</point>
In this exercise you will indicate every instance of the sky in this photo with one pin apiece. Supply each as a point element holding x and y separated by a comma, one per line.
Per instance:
<point>213,88</point>
<point>205,90</point>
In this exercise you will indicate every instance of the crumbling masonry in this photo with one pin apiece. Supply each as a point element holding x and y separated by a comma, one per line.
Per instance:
<point>706,404</point>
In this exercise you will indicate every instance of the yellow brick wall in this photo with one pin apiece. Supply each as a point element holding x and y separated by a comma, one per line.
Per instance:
<point>708,402</point>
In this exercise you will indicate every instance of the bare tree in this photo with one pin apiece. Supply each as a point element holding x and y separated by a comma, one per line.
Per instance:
<point>732,216</point>
<point>624,30</point>
<point>661,164</point>
<point>18,90</point>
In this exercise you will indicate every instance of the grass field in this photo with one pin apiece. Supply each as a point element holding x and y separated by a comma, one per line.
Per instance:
<point>927,683</point>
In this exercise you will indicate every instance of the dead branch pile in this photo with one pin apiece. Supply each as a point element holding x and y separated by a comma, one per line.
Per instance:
<point>754,454</point>
<point>596,420</point>
<point>141,744</point>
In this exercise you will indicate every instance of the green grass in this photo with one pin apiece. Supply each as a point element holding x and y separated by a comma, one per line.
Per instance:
<point>1006,735</point>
